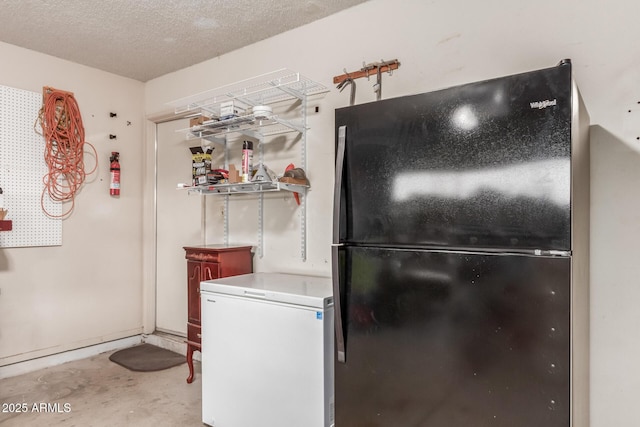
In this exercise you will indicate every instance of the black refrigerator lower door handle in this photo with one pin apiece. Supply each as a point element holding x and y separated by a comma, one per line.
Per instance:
<point>335,268</point>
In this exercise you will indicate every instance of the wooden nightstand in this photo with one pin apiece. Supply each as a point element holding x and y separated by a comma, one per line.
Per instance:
<point>206,263</point>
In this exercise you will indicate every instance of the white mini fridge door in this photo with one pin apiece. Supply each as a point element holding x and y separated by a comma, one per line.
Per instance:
<point>266,363</point>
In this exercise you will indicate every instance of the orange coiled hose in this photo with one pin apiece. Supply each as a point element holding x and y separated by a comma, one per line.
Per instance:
<point>63,132</point>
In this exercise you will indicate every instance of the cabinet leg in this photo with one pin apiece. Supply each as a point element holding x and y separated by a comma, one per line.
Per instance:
<point>190,363</point>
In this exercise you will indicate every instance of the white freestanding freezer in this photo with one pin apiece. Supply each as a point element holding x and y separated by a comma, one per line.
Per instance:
<point>267,351</point>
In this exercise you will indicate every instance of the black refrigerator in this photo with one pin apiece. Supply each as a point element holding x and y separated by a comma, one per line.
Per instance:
<point>460,256</point>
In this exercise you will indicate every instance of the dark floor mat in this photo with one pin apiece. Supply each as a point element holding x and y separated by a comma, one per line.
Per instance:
<point>146,358</point>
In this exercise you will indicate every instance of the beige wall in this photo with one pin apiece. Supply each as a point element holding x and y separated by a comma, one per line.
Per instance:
<point>89,290</point>
<point>442,43</point>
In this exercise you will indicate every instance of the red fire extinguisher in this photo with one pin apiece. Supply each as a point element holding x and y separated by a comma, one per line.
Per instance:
<point>114,185</point>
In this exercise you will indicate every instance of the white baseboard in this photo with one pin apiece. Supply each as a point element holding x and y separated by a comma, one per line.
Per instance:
<point>67,356</point>
<point>174,343</point>
<point>162,340</point>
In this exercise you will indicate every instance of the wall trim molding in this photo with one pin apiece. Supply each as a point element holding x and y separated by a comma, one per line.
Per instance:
<point>27,366</point>
<point>162,340</point>
<point>175,343</point>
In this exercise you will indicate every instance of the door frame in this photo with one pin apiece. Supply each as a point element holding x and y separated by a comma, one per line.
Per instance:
<point>149,216</point>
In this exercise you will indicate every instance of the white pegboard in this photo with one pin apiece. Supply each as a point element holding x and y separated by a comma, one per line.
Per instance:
<point>22,169</point>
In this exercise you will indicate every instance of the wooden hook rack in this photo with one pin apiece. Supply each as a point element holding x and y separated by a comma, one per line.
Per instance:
<point>368,70</point>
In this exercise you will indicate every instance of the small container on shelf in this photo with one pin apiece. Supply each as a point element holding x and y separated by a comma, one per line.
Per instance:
<point>5,225</point>
<point>262,111</point>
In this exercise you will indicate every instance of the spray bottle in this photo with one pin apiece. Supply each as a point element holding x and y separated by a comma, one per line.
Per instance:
<point>247,160</point>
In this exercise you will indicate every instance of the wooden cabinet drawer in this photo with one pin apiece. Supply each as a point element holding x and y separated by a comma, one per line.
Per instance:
<point>202,256</point>
<point>194,333</point>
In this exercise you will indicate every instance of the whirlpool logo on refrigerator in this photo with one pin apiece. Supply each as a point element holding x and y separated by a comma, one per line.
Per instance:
<point>543,104</point>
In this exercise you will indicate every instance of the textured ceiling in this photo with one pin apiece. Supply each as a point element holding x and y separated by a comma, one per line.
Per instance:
<point>144,39</point>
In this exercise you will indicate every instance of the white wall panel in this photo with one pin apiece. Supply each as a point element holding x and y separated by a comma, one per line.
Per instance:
<point>176,228</point>
<point>89,289</point>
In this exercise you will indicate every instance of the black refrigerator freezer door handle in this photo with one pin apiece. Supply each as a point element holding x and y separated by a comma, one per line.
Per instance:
<point>337,307</point>
<point>340,149</point>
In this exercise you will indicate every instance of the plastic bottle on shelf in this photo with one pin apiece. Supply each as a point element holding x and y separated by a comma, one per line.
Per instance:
<point>247,160</point>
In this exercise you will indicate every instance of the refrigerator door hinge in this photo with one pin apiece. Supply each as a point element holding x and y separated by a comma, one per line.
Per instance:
<point>552,253</point>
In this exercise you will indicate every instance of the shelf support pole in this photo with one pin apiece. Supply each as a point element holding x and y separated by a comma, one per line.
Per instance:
<point>225,217</point>
<point>260,225</point>
<point>226,220</point>
<point>260,204</point>
<point>303,205</point>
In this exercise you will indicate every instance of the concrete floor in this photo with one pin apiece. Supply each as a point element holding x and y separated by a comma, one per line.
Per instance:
<point>98,392</point>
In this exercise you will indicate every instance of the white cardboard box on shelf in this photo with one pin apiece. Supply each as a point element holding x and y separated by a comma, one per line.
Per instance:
<point>230,109</point>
